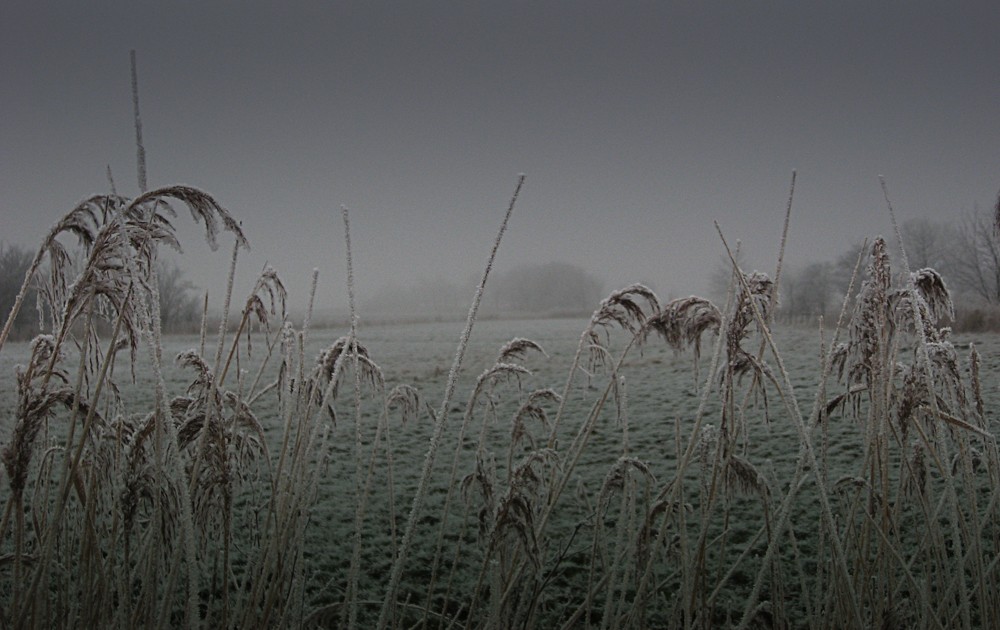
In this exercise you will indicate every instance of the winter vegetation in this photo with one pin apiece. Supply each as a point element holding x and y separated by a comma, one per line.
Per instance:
<point>667,464</point>
<point>245,482</point>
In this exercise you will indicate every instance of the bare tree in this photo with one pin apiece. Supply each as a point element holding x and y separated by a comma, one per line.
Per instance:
<point>929,244</point>
<point>179,309</point>
<point>553,287</point>
<point>976,268</point>
<point>808,292</point>
<point>14,263</point>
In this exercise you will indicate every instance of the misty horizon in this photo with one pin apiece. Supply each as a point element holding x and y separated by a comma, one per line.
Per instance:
<point>638,126</point>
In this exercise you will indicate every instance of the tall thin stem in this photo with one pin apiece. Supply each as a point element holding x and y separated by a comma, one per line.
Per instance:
<point>140,150</point>
<point>440,422</point>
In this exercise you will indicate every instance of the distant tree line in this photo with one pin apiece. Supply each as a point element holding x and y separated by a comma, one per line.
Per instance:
<point>965,251</point>
<point>180,309</point>
<point>548,289</point>
<point>554,288</point>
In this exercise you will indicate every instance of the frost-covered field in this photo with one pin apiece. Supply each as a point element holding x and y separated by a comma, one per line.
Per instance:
<point>648,422</point>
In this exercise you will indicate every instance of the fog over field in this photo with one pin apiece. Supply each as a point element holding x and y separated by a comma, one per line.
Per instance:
<point>637,125</point>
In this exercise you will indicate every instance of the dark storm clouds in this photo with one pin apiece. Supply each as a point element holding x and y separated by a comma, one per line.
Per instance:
<point>637,124</point>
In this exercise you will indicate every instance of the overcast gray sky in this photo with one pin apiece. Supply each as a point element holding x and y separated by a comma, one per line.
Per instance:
<point>637,124</point>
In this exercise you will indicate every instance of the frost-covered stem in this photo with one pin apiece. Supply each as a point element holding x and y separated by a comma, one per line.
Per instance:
<point>440,422</point>
<point>928,371</point>
<point>350,271</point>
<point>312,299</point>
<point>52,532</point>
<point>204,325</point>
<point>225,308</point>
<point>252,393</point>
<point>807,455</point>
<point>390,485</point>
<point>167,434</point>
<point>772,293</point>
<point>623,514</point>
<point>350,611</point>
<point>140,150</point>
<point>445,511</point>
<point>569,381</point>
<point>579,443</point>
<point>233,348</point>
<point>781,248</point>
<point>623,416</point>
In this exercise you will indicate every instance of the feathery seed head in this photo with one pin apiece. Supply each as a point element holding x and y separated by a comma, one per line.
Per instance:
<point>931,287</point>
<point>406,399</point>
<point>625,308</point>
<point>516,348</point>
<point>202,206</point>
<point>682,322</point>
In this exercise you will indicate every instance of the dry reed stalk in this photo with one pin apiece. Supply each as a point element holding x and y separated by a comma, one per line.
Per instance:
<point>947,429</point>
<point>620,308</point>
<point>165,438</point>
<point>205,208</point>
<point>295,487</point>
<point>30,608</point>
<point>261,568</point>
<point>264,299</point>
<point>418,499</point>
<point>140,150</point>
<point>407,400</point>
<point>672,494</point>
<point>807,455</point>
<point>307,321</point>
<point>501,370</point>
<point>349,613</point>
